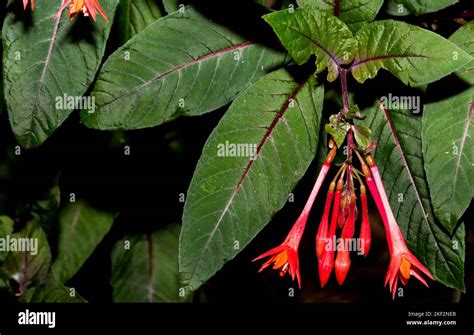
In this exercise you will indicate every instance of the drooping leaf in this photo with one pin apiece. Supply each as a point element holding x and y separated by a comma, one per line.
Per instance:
<point>46,60</point>
<point>362,135</point>
<point>464,38</point>
<point>135,15</point>
<point>353,12</point>
<point>403,175</point>
<point>145,267</point>
<point>6,228</point>
<point>414,55</point>
<point>82,227</point>
<point>51,293</point>
<point>337,129</point>
<point>250,163</point>
<point>182,64</point>
<point>307,31</point>
<point>448,150</point>
<point>416,7</point>
<point>28,259</point>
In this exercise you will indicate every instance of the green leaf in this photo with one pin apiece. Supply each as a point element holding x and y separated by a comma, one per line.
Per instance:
<point>355,13</point>
<point>417,7</point>
<point>135,15</point>
<point>405,182</point>
<point>82,227</point>
<point>362,135</point>
<point>307,31</point>
<point>145,267</point>
<point>337,129</point>
<point>251,162</point>
<point>171,6</point>
<point>45,61</point>
<point>6,228</point>
<point>464,38</point>
<point>182,64</point>
<point>448,149</point>
<point>29,257</point>
<point>414,55</point>
<point>51,293</point>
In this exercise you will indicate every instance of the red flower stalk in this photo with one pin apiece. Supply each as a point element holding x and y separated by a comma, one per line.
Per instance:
<point>365,226</point>
<point>25,4</point>
<point>87,7</point>
<point>326,261</point>
<point>343,260</point>
<point>285,256</point>
<point>402,263</point>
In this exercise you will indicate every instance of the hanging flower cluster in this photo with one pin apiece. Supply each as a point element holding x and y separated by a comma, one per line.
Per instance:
<point>86,7</point>
<point>340,216</point>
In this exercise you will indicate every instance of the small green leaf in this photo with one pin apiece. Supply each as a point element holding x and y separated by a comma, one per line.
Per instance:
<point>46,59</point>
<point>82,227</point>
<point>182,64</point>
<point>362,136</point>
<point>353,12</point>
<point>28,258</point>
<point>448,149</point>
<point>418,7</point>
<point>51,293</point>
<point>464,38</point>
<point>145,267</point>
<point>414,55</point>
<point>171,6</point>
<point>337,129</point>
<point>403,175</point>
<point>354,113</point>
<point>307,31</point>
<point>250,163</point>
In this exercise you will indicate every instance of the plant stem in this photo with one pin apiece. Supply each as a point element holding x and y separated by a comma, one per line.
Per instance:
<point>345,93</point>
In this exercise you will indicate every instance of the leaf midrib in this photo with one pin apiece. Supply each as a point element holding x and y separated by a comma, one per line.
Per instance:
<point>181,67</point>
<point>265,137</point>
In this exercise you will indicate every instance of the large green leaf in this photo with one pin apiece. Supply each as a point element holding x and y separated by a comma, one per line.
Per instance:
<point>82,227</point>
<point>308,31</point>
<point>414,55</point>
<point>353,12</point>
<point>464,38</point>
<point>51,293</point>
<point>250,163</point>
<point>30,260</point>
<point>145,267</point>
<point>183,64</point>
<point>401,167</point>
<point>135,15</point>
<point>448,150</point>
<point>417,7</point>
<point>45,60</point>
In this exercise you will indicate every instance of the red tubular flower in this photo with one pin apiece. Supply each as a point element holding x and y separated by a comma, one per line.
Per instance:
<point>365,238</point>
<point>326,260</point>
<point>402,263</point>
<point>25,4</point>
<point>322,235</point>
<point>285,256</point>
<point>87,7</point>
<point>343,260</point>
